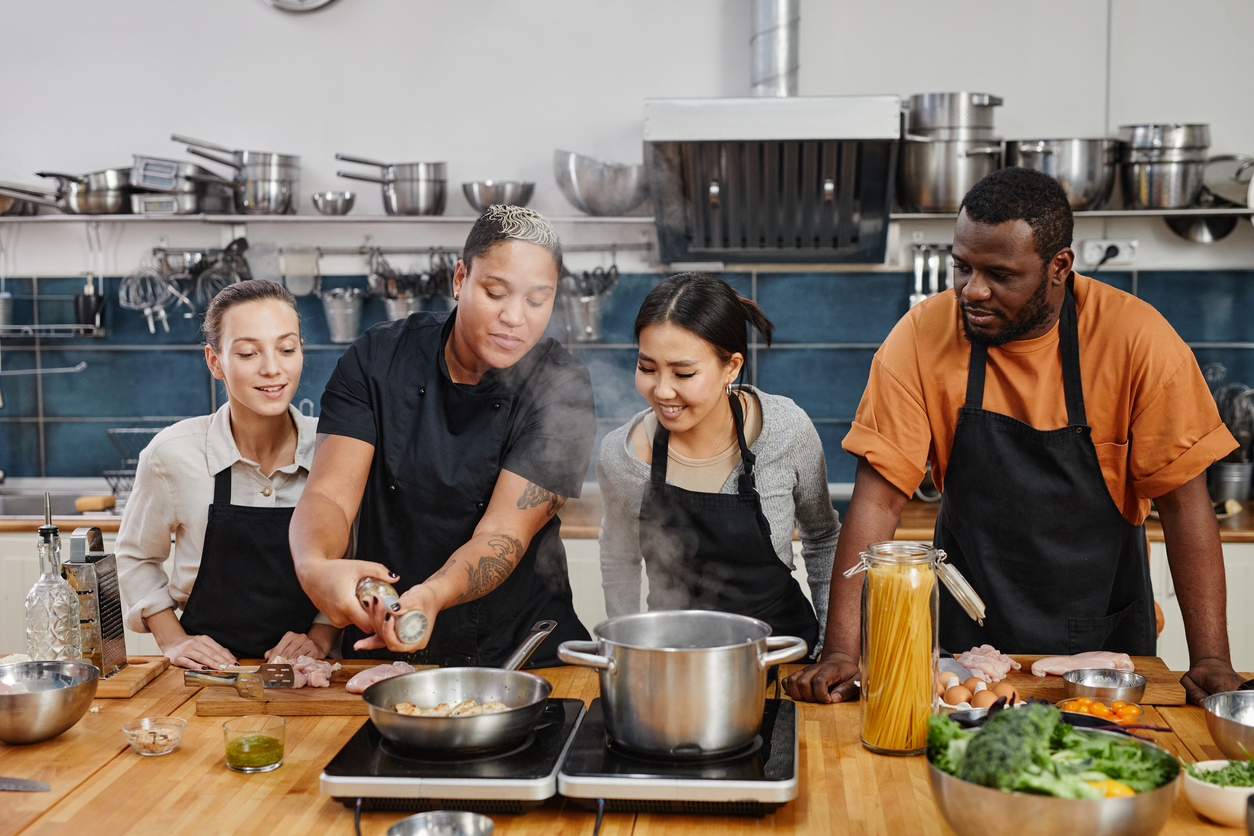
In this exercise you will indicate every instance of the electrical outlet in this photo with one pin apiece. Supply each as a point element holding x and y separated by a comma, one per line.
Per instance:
<point>1092,252</point>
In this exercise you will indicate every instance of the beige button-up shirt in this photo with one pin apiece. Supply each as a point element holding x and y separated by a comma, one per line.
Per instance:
<point>172,495</point>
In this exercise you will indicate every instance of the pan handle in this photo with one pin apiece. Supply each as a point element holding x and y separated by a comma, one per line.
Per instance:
<point>349,159</point>
<point>215,180</point>
<point>539,632</point>
<point>42,201</point>
<point>352,176</point>
<point>784,649</point>
<point>215,158</point>
<point>209,678</point>
<point>187,140</point>
<point>583,653</point>
<point>73,178</point>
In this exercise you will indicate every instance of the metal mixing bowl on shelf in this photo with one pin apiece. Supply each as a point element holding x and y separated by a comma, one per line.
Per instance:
<point>1104,684</point>
<point>58,695</point>
<point>1230,721</point>
<point>484,193</point>
<point>598,188</point>
<point>334,203</point>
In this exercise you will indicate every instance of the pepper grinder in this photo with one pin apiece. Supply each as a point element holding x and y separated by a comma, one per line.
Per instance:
<point>410,626</point>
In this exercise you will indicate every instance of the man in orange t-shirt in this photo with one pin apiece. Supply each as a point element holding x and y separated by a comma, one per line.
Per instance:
<point>1052,408</point>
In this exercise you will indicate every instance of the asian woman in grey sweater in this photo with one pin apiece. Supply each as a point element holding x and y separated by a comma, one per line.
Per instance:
<point>707,486</point>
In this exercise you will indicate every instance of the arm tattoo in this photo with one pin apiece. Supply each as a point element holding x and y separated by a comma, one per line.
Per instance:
<point>534,496</point>
<point>492,569</point>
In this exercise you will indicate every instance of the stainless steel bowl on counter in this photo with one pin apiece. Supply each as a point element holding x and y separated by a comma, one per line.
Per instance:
<point>1086,168</point>
<point>935,174</point>
<point>1230,721</point>
<point>970,808</point>
<point>683,683</point>
<point>484,193</point>
<point>1104,684</point>
<point>59,694</point>
<point>597,188</point>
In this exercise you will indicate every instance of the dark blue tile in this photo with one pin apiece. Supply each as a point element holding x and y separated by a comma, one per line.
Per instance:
<point>1114,278</point>
<point>1238,362</point>
<point>1203,306</point>
<point>833,307</point>
<point>83,448</point>
<point>618,319</point>
<point>840,465</point>
<point>160,383</point>
<point>319,364</point>
<point>825,382</point>
<point>20,399</point>
<point>19,449</point>
<point>613,372</point>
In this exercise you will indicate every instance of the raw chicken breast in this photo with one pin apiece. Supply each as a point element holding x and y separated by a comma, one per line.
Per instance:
<point>988,663</point>
<point>1058,665</point>
<point>370,676</point>
<point>307,671</point>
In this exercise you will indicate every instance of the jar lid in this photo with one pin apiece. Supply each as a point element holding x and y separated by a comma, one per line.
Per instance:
<point>960,588</point>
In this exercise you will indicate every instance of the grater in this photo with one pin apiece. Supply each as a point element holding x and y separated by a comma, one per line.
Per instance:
<point>94,576</point>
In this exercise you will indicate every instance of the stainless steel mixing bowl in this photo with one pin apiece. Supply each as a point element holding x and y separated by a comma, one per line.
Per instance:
<point>598,188</point>
<point>970,808</point>
<point>443,823</point>
<point>1230,721</point>
<point>484,193</point>
<point>1104,684</point>
<point>59,695</point>
<point>334,203</point>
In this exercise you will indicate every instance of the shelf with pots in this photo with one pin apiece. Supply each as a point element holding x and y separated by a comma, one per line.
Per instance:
<point>298,219</point>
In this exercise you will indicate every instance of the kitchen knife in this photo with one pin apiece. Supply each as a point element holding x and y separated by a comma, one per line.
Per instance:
<point>23,785</point>
<point>248,684</point>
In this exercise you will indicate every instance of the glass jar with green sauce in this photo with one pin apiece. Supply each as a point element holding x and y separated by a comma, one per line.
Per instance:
<point>254,743</point>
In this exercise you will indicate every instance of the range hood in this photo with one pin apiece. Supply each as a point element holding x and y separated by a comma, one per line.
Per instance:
<point>772,180</point>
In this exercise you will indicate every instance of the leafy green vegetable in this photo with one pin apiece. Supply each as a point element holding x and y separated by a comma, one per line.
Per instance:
<point>1235,774</point>
<point>1030,750</point>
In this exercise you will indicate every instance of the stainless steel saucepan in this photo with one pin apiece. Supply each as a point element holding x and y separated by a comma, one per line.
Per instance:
<point>73,199</point>
<point>525,693</point>
<point>408,188</point>
<point>265,183</point>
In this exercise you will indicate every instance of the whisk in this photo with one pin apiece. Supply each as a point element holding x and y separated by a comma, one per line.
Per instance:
<point>147,290</point>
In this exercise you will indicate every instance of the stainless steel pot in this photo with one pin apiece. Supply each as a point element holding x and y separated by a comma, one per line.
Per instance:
<point>107,179</point>
<point>16,207</point>
<point>1167,178</point>
<point>408,188</point>
<point>265,183</point>
<point>959,115</point>
<point>161,175</point>
<point>1230,177</point>
<point>1085,167</point>
<point>934,175</point>
<point>524,693</point>
<point>105,192</point>
<point>1166,135</point>
<point>182,203</point>
<point>73,200</point>
<point>683,683</point>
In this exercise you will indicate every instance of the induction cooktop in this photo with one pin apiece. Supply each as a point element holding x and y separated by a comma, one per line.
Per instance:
<point>754,782</point>
<point>389,777</point>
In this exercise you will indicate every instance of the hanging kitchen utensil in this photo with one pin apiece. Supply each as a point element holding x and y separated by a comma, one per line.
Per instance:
<point>146,290</point>
<point>919,259</point>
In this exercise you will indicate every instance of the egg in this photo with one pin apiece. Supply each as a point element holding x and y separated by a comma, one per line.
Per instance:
<point>971,683</point>
<point>956,695</point>
<point>1005,689</point>
<point>948,680</point>
<point>983,699</point>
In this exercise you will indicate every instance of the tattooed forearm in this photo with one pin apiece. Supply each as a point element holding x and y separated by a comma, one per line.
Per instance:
<point>492,569</point>
<point>535,496</point>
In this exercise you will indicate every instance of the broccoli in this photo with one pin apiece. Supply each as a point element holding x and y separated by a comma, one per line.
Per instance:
<point>1009,745</point>
<point>946,743</point>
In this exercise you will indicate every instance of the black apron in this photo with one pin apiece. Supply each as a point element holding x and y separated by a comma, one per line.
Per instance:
<point>246,596</point>
<point>440,478</point>
<point>712,551</point>
<point>1026,516</point>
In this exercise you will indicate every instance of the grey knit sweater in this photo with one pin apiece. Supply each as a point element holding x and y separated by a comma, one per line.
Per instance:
<point>791,477</point>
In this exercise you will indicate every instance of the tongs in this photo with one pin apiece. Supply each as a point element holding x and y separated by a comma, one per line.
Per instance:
<point>250,684</point>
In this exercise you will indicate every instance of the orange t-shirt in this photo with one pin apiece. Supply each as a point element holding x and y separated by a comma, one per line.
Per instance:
<point>1155,425</point>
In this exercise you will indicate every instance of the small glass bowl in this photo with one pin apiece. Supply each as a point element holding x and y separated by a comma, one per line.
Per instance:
<point>254,743</point>
<point>155,735</point>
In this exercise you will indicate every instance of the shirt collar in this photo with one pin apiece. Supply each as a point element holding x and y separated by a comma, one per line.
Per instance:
<point>221,451</point>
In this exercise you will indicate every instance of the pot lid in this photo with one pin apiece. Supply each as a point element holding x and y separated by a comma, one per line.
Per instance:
<point>1228,177</point>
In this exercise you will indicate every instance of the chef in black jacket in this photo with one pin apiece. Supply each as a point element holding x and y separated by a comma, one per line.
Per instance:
<point>453,439</point>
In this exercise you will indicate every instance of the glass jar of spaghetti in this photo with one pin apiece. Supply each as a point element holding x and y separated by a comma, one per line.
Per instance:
<point>900,601</point>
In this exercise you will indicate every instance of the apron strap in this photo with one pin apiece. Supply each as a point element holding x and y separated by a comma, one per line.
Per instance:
<point>747,481</point>
<point>975,376</point>
<point>222,487</point>
<point>1069,343</point>
<point>657,471</point>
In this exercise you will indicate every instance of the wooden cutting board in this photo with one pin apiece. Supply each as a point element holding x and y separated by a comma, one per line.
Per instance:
<point>126,683</point>
<point>215,701</point>
<point>1161,687</point>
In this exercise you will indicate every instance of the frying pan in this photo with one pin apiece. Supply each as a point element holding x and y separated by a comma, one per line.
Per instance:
<point>525,693</point>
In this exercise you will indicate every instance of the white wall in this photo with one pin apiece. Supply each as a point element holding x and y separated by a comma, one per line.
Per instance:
<point>494,86</point>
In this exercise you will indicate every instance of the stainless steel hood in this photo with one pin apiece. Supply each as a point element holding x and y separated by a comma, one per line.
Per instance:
<point>772,180</point>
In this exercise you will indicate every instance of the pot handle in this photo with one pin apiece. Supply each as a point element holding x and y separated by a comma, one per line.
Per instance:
<point>784,649</point>
<point>582,653</point>
<point>215,180</point>
<point>354,176</point>
<point>1038,148</point>
<point>539,632</point>
<point>187,140</point>
<point>350,159</point>
<point>30,198</point>
<point>983,149</point>
<point>73,178</point>
<point>215,158</point>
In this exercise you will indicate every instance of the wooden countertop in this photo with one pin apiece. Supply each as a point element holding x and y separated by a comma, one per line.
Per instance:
<point>102,787</point>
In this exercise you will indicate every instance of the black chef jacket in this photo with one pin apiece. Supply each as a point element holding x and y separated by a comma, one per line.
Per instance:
<point>439,449</point>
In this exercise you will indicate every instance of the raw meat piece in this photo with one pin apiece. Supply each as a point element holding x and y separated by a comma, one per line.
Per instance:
<point>1058,665</point>
<point>988,663</point>
<point>307,671</point>
<point>370,676</point>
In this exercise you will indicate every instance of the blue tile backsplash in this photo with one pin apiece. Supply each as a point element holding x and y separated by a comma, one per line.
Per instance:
<point>827,325</point>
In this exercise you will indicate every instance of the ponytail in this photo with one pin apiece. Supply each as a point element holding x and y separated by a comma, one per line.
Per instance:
<point>708,307</point>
